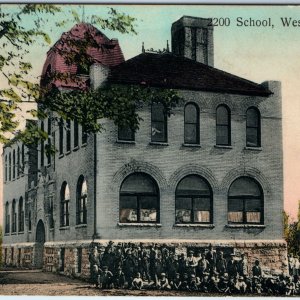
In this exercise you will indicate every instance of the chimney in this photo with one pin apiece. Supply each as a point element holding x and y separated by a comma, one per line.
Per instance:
<point>192,38</point>
<point>98,75</point>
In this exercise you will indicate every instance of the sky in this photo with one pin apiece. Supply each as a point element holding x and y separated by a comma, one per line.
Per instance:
<point>256,53</point>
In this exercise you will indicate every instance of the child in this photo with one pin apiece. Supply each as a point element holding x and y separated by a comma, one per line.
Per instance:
<point>137,282</point>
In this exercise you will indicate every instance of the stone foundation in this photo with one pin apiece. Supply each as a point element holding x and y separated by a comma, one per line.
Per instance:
<point>72,258</point>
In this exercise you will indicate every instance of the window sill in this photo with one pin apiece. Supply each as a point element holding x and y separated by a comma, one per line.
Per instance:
<point>51,229</point>
<point>81,226</point>
<point>61,155</point>
<point>195,225</point>
<point>245,226</point>
<point>253,148</point>
<point>13,233</point>
<point>64,228</point>
<point>21,232</point>
<point>139,224</point>
<point>68,152</point>
<point>6,234</point>
<point>159,143</point>
<point>83,145</point>
<point>75,148</point>
<point>191,145</point>
<point>125,142</point>
<point>223,147</point>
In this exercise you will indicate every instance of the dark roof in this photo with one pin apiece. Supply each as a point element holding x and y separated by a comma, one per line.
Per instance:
<point>170,71</point>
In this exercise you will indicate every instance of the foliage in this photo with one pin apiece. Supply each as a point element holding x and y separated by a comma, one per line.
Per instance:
<point>292,235</point>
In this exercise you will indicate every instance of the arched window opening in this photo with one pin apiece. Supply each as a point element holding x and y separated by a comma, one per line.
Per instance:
<point>14,216</point>
<point>65,201</point>
<point>21,215</point>
<point>7,218</point>
<point>245,202</point>
<point>81,212</point>
<point>223,129</point>
<point>139,199</point>
<point>193,200</point>
<point>191,124</point>
<point>253,128</point>
<point>159,123</point>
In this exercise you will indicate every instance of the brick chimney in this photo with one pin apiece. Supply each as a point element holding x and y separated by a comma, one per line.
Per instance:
<point>192,38</point>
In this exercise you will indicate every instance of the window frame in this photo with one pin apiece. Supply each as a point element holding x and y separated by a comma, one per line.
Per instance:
<point>245,198</point>
<point>7,218</point>
<point>76,134</point>
<point>131,132</point>
<point>258,127</point>
<point>68,135</point>
<point>64,206</point>
<point>197,124</point>
<point>21,215</point>
<point>14,217</point>
<point>81,199</point>
<point>140,196</point>
<point>192,197</point>
<point>227,125</point>
<point>164,122</point>
<point>61,136</point>
<point>18,162</point>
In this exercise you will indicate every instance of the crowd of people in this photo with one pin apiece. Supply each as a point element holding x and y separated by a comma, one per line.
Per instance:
<point>138,267</point>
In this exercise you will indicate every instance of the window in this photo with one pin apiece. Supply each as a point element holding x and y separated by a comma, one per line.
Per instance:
<point>49,132</point>
<point>125,133</point>
<point>14,217</point>
<point>76,133</point>
<point>14,165</point>
<point>223,126</point>
<point>18,162</point>
<point>29,220</point>
<point>51,219</point>
<point>42,145</point>
<point>193,200</point>
<point>68,138</point>
<point>81,212</point>
<point>7,218</point>
<point>84,135</point>
<point>139,199</point>
<point>21,215</point>
<point>61,136</point>
<point>9,166</point>
<point>253,128</point>
<point>245,202</point>
<point>6,167</point>
<point>159,126</point>
<point>23,158</point>
<point>65,199</point>
<point>191,124</point>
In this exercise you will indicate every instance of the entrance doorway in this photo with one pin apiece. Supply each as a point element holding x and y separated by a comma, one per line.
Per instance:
<point>39,246</point>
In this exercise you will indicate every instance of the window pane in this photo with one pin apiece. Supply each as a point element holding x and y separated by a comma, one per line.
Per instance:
<point>138,183</point>
<point>222,135</point>
<point>222,115</point>
<point>183,203</point>
<point>252,137</point>
<point>253,217</point>
<point>128,215</point>
<point>252,118</point>
<point>148,215</point>
<point>190,133</point>
<point>158,112</point>
<point>192,185</point>
<point>158,133</point>
<point>125,133</point>
<point>202,216</point>
<point>148,202</point>
<point>235,217</point>
<point>128,202</point>
<point>202,204</point>
<point>183,216</point>
<point>235,204</point>
<point>244,186</point>
<point>253,205</point>
<point>190,114</point>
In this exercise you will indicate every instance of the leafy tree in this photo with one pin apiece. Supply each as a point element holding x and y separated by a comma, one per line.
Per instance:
<point>291,234</point>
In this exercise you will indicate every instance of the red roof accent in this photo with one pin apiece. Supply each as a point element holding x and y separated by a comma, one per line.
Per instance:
<point>107,52</point>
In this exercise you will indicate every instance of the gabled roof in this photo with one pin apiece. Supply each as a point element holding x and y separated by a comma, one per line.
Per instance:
<point>170,71</point>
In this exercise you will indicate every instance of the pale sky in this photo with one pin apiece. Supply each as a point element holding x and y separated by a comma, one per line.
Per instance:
<point>254,53</point>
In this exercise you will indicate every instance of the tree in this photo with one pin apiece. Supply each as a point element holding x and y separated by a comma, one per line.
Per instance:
<point>291,234</point>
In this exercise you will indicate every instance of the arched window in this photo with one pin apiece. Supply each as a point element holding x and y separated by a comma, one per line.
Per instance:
<point>253,128</point>
<point>61,136</point>
<point>7,218</point>
<point>42,145</point>
<point>18,162</point>
<point>159,124</point>
<point>21,215</point>
<point>191,124</point>
<point>76,133</point>
<point>223,133</point>
<point>64,200</point>
<point>193,202</point>
<point>81,211</point>
<point>14,216</point>
<point>139,199</point>
<point>9,166</point>
<point>245,202</point>
<point>6,167</point>
<point>14,165</point>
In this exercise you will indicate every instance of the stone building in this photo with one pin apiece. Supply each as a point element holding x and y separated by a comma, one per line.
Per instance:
<point>211,173</point>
